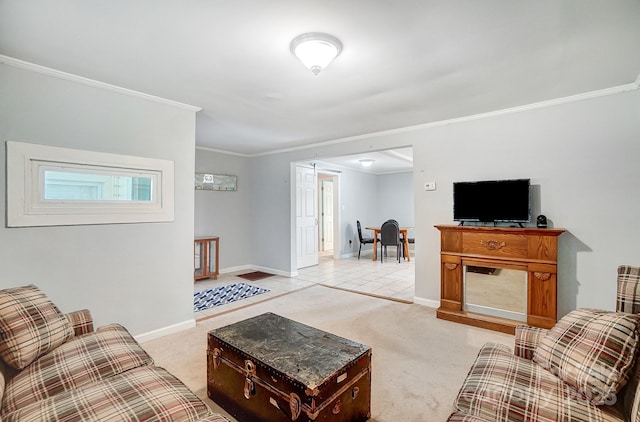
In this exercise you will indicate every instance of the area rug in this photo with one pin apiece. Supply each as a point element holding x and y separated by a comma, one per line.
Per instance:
<point>210,298</point>
<point>255,275</point>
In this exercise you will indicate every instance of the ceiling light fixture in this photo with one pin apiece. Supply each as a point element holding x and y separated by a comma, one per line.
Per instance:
<point>366,162</point>
<point>316,50</point>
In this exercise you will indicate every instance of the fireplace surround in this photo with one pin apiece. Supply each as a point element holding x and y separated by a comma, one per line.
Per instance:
<point>532,251</point>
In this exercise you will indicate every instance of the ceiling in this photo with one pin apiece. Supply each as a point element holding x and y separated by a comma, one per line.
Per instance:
<point>389,161</point>
<point>404,63</point>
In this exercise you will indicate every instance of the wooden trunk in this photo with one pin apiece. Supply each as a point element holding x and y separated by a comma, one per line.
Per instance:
<point>269,368</point>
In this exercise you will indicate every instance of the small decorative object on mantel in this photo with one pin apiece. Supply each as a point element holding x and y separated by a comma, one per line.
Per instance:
<point>206,181</point>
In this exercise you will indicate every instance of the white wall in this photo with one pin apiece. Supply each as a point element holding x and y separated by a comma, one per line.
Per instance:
<point>225,213</point>
<point>582,158</point>
<point>395,198</point>
<point>140,275</point>
<point>358,201</point>
<point>270,213</point>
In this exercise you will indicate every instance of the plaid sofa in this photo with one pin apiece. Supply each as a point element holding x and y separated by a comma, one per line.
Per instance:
<point>81,374</point>
<point>506,385</point>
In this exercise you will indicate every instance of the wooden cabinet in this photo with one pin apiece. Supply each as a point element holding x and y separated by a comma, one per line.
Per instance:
<point>206,257</point>
<point>532,250</point>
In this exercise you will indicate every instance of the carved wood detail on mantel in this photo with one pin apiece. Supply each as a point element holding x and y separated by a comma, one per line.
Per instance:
<point>450,266</point>
<point>542,276</point>
<point>493,245</point>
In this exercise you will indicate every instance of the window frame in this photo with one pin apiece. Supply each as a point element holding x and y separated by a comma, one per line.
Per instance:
<point>26,206</point>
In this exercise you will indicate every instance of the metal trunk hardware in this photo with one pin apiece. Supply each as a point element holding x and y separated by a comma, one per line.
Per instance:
<point>217,353</point>
<point>337,408</point>
<point>249,386</point>
<point>295,405</point>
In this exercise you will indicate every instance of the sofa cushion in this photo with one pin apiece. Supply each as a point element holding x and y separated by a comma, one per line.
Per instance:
<point>146,393</point>
<point>2,381</point>
<point>106,352</point>
<point>591,350</point>
<point>503,387</point>
<point>30,325</point>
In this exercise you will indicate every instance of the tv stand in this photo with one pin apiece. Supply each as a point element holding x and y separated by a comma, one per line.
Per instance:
<point>530,249</point>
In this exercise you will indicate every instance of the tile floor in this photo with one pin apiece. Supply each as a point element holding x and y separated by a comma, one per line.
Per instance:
<point>389,279</point>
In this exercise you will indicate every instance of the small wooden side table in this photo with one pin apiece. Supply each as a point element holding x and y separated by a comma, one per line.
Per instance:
<point>206,251</point>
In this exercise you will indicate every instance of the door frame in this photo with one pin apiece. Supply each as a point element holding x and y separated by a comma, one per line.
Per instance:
<point>337,243</point>
<point>337,238</point>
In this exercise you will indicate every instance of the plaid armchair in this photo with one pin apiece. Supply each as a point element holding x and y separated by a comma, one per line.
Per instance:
<point>547,375</point>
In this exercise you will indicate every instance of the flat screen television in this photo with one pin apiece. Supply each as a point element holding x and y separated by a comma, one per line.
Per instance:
<point>492,201</point>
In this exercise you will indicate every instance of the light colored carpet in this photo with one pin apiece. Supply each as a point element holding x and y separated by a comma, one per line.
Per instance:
<point>419,362</point>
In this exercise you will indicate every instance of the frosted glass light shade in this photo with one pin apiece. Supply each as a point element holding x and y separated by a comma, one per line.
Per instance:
<point>367,162</point>
<point>316,50</point>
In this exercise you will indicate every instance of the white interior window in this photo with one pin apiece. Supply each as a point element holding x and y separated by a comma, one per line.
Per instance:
<point>60,186</point>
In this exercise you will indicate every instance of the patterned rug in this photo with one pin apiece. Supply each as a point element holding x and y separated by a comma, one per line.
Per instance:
<point>255,275</point>
<point>224,294</point>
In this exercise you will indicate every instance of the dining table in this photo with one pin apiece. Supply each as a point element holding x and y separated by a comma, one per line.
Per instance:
<point>404,231</point>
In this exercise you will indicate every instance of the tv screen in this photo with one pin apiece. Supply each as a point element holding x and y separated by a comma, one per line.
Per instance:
<point>492,201</point>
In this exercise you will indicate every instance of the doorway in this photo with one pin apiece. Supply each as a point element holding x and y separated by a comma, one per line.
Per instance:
<point>327,210</point>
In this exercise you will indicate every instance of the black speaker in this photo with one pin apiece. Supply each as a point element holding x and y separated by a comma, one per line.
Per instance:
<point>541,222</point>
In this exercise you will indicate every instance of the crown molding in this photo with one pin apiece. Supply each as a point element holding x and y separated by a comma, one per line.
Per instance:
<point>21,64</point>
<point>533,106</point>
<point>221,151</point>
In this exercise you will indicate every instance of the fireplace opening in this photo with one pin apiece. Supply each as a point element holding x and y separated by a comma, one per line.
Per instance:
<point>499,292</point>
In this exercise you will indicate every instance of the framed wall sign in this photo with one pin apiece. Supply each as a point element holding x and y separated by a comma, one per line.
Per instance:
<point>207,181</point>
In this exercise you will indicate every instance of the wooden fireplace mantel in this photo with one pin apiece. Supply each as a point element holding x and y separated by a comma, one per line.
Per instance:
<point>531,249</point>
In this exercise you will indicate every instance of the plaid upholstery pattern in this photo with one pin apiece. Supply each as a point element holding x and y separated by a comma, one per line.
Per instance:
<point>2,382</point>
<point>628,298</point>
<point>81,322</point>
<point>631,398</point>
<point>109,351</point>
<point>461,417</point>
<point>504,387</point>
<point>591,350</point>
<point>146,393</point>
<point>214,417</point>
<point>527,339</point>
<point>30,325</point>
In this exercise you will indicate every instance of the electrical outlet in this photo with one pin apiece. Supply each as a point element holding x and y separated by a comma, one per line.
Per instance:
<point>429,185</point>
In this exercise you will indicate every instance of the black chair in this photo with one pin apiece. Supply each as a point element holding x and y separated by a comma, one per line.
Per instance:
<point>363,240</point>
<point>391,220</point>
<point>411,240</point>
<point>390,236</point>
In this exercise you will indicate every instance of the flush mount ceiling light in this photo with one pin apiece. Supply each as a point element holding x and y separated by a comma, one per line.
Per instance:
<point>366,162</point>
<point>316,50</point>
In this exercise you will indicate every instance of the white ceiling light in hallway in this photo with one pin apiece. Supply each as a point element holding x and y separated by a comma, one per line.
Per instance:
<point>316,50</point>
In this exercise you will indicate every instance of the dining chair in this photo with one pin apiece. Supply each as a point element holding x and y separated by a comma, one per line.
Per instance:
<point>411,240</point>
<point>390,236</point>
<point>363,240</point>
<point>391,220</point>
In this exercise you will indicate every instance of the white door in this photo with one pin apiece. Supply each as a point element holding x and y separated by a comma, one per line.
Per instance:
<point>327,215</point>
<point>306,216</point>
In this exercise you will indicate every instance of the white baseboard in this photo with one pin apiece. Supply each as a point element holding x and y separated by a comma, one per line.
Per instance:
<point>426,302</point>
<point>234,269</point>
<point>161,332</point>
<point>348,255</point>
